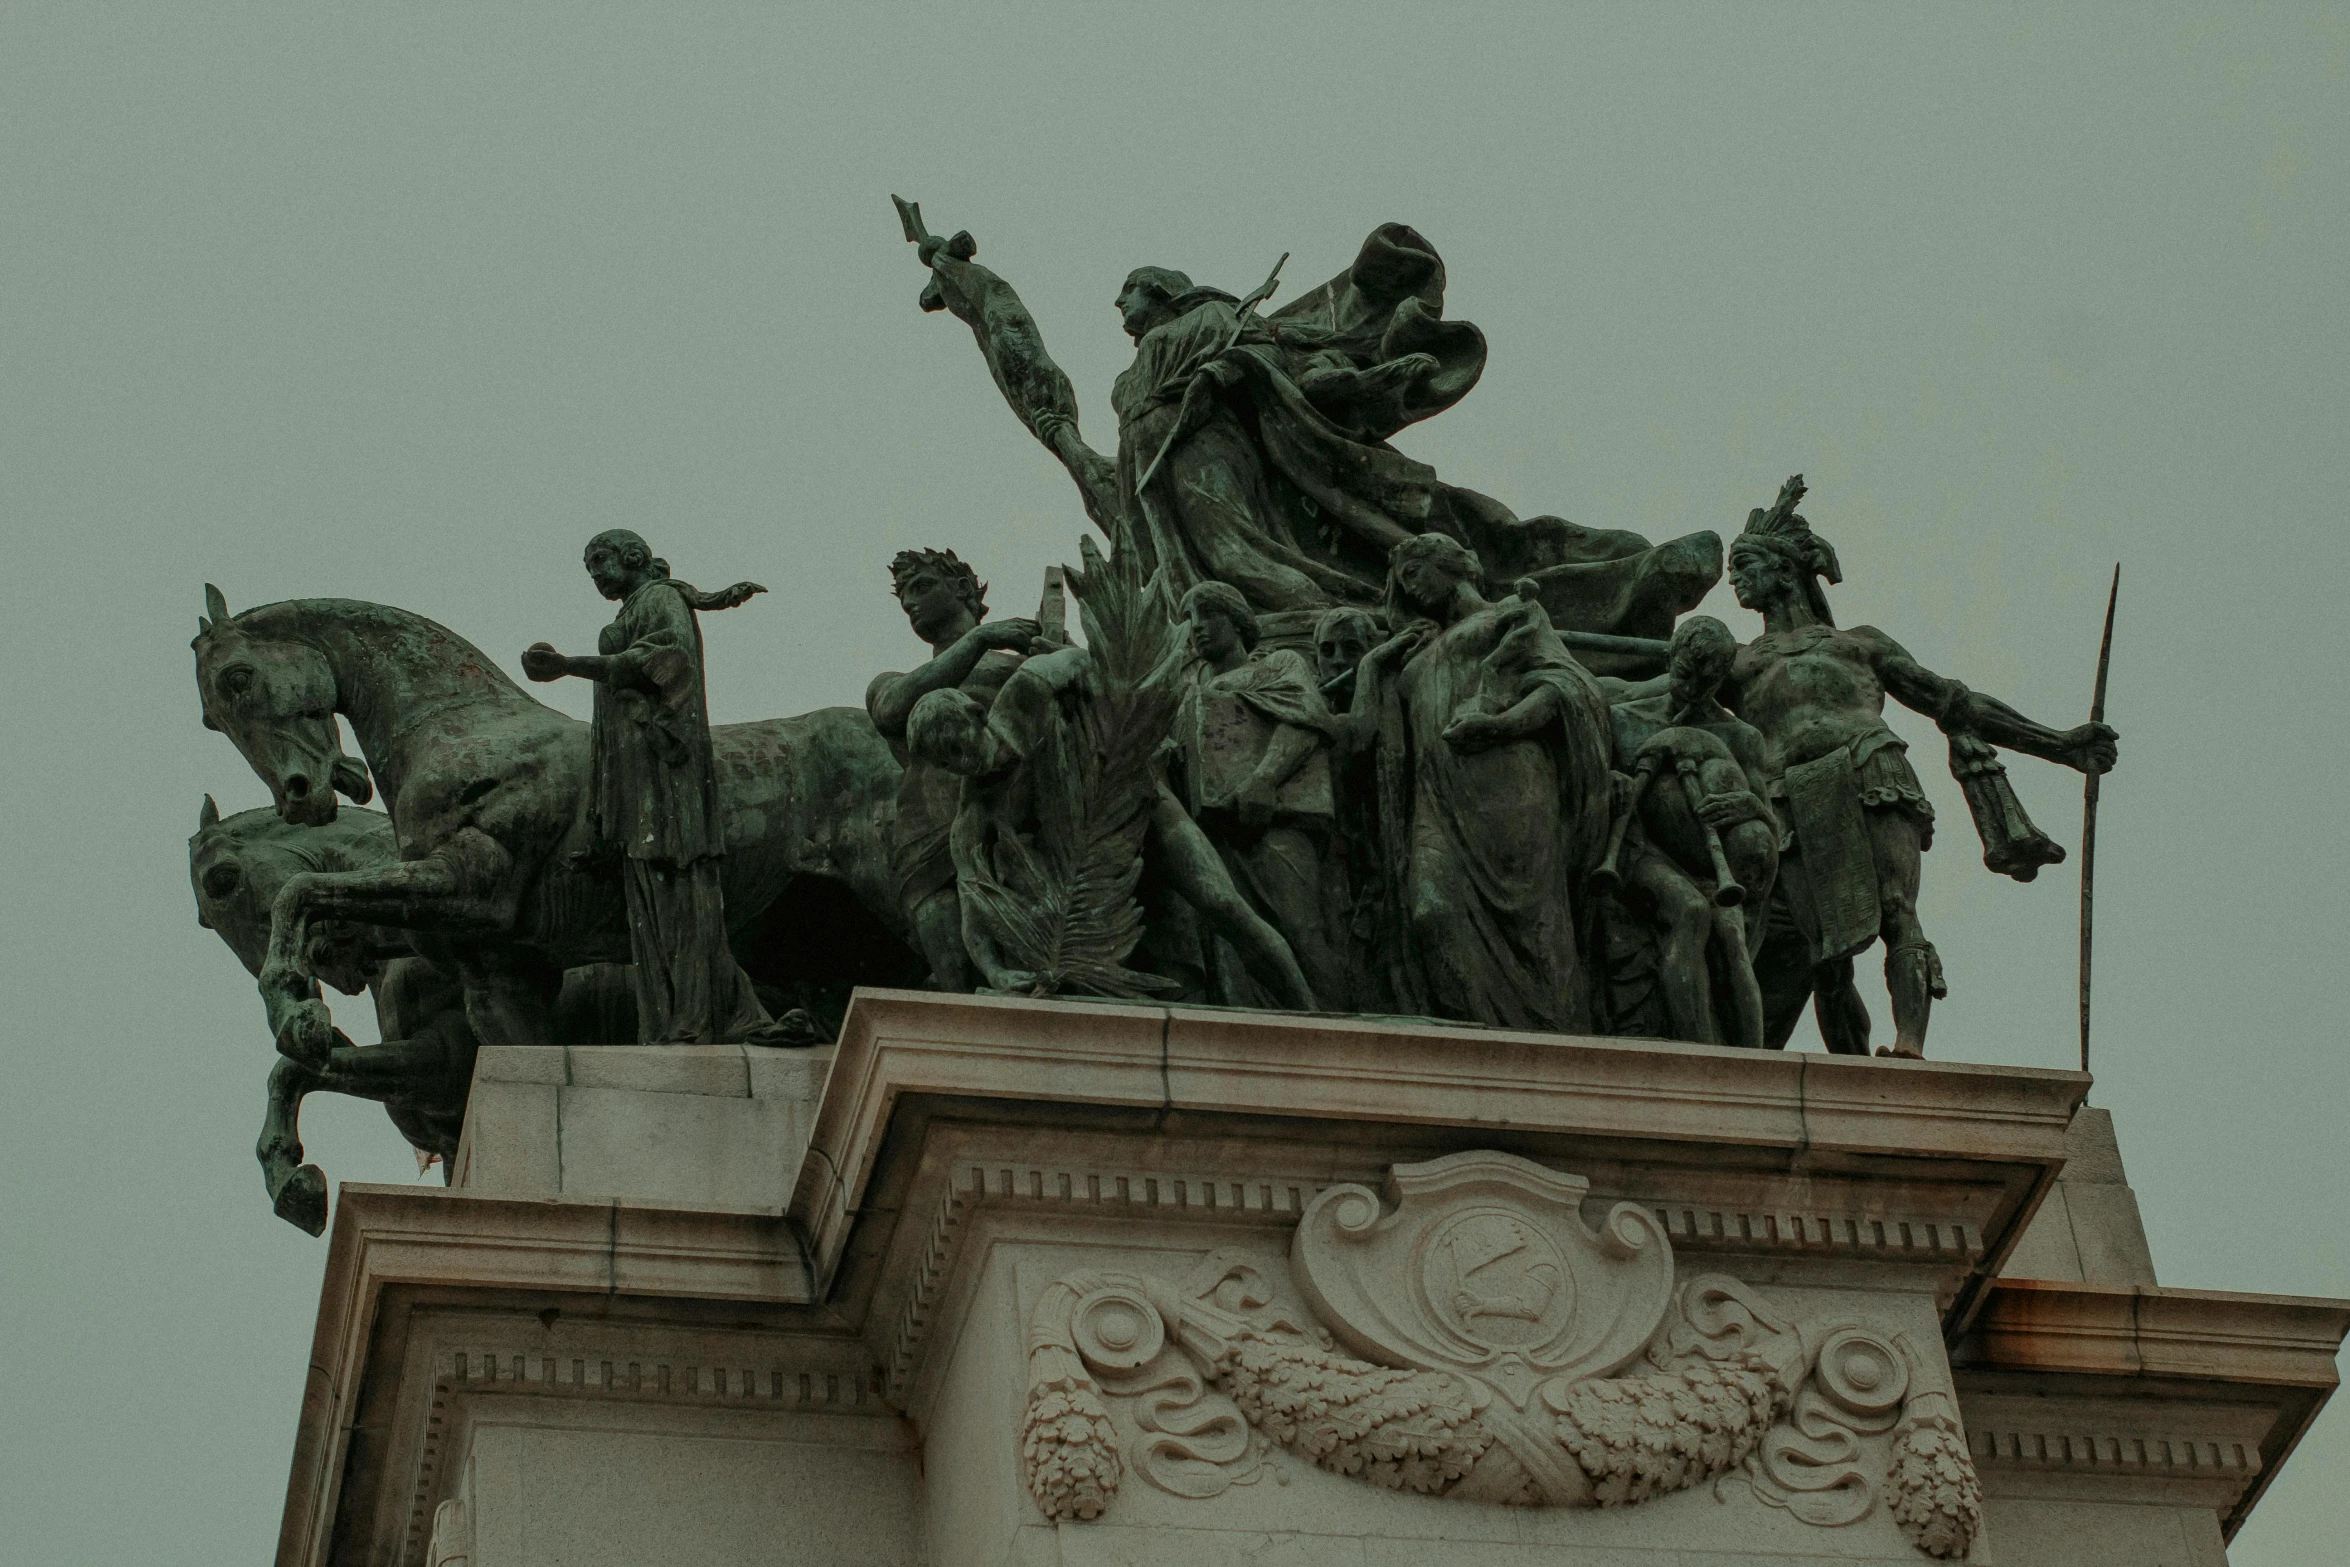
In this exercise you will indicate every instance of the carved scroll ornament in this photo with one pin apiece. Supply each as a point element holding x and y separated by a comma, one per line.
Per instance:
<point>1505,1351</point>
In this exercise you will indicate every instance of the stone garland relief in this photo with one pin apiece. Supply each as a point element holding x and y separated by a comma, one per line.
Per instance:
<point>1478,1339</point>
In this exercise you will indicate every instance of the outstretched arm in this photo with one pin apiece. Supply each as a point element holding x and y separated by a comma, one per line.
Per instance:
<point>892,697</point>
<point>2089,748</point>
<point>541,662</point>
<point>1356,726</point>
<point>663,634</point>
<point>1036,387</point>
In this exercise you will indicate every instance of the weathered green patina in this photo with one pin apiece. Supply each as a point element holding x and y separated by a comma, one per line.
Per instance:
<point>1859,819</point>
<point>422,1072</point>
<point>1299,759</point>
<point>1265,442</point>
<point>488,791</point>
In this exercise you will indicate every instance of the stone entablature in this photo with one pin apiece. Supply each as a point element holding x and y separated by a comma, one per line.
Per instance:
<point>1242,1248</point>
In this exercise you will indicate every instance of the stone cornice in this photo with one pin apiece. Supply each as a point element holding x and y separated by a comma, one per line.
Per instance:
<point>927,1259</point>
<point>1823,1112</point>
<point>2218,1386</point>
<point>385,1238</point>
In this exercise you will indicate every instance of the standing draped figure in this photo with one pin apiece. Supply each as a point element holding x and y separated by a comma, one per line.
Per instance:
<point>1254,450</point>
<point>653,795</point>
<point>1494,795</point>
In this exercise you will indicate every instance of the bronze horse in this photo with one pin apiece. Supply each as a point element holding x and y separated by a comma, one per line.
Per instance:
<point>485,787</point>
<point>422,1073</point>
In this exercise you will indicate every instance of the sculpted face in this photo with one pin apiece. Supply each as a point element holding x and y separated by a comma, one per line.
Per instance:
<point>948,729</point>
<point>1757,577</point>
<point>614,578</point>
<point>934,606</point>
<point>1426,583</point>
<point>1339,645</point>
<point>1138,308</point>
<point>276,702</point>
<point>1700,663</point>
<point>1214,638</point>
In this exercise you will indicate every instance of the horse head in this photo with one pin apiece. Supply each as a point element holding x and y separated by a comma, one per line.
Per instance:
<point>237,864</point>
<point>275,698</point>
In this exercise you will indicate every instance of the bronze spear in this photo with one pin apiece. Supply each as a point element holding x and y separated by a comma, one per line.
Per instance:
<point>1187,414</point>
<point>2089,811</point>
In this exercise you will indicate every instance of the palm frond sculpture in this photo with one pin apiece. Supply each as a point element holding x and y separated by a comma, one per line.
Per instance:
<point>1062,906</point>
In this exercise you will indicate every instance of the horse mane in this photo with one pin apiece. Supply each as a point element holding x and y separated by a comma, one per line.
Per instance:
<point>304,620</point>
<point>356,838</point>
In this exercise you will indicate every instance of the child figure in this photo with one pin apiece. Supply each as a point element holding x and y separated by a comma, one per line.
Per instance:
<point>1694,842</point>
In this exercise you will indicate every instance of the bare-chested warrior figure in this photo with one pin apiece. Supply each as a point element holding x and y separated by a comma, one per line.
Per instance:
<point>1858,818</point>
<point>944,601</point>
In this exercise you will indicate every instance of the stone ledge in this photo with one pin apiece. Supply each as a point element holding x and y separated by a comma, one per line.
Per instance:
<point>1390,1073</point>
<point>2145,1330</point>
<point>729,1071</point>
<point>701,1126</point>
<point>2129,1380</point>
<point>384,1238</point>
<point>956,1130</point>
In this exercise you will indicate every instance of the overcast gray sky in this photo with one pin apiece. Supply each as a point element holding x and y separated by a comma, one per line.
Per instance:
<point>403,303</point>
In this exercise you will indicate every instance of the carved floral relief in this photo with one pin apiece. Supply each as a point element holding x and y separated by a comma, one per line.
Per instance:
<point>1474,1337</point>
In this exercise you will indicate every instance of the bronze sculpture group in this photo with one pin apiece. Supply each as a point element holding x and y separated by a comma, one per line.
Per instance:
<point>1337,736</point>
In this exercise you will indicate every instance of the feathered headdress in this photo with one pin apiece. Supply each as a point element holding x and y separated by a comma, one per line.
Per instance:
<point>1786,535</point>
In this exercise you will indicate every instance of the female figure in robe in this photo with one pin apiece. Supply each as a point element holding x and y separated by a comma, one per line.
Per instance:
<point>1494,794</point>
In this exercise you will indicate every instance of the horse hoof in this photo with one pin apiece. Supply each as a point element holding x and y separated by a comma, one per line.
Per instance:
<point>307,1037</point>
<point>301,1201</point>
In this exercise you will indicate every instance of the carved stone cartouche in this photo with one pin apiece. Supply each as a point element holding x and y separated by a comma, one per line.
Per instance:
<point>1503,1350</point>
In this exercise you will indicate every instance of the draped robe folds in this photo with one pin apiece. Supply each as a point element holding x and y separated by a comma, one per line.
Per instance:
<point>1284,484</point>
<point>1486,852</point>
<point>1271,494</point>
<point>1283,869</point>
<point>654,802</point>
<point>1214,511</point>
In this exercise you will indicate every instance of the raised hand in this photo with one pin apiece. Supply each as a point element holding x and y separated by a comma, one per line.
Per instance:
<point>1013,634</point>
<point>1398,647</point>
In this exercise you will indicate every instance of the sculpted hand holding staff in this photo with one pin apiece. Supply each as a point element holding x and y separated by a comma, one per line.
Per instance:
<point>653,795</point>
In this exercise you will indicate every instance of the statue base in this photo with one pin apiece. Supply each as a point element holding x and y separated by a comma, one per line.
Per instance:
<point>1000,1282</point>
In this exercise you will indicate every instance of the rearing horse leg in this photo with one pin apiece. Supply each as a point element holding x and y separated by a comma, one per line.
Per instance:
<point>455,887</point>
<point>297,1191</point>
<point>394,1069</point>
